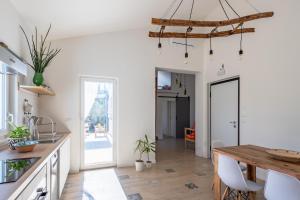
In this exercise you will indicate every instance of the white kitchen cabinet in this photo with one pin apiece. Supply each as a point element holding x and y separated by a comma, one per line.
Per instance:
<point>64,164</point>
<point>36,186</point>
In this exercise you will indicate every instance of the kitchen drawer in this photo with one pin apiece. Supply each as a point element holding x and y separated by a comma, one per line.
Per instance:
<point>36,187</point>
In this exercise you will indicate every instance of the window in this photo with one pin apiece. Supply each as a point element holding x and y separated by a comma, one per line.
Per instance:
<point>164,80</point>
<point>8,103</point>
<point>3,101</point>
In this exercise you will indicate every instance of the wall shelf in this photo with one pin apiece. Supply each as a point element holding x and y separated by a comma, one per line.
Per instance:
<point>40,90</point>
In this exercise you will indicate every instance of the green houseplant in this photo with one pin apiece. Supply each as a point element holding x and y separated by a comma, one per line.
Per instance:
<point>41,54</point>
<point>17,134</point>
<point>140,148</point>
<point>148,148</point>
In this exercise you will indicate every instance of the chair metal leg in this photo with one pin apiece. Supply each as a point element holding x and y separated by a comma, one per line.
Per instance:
<point>239,195</point>
<point>225,194</point>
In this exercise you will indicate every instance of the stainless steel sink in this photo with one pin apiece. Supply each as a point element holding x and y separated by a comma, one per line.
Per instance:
<point>49,139</point>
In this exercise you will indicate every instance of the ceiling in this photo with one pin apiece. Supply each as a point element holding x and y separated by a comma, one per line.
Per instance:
<point>71,18</point>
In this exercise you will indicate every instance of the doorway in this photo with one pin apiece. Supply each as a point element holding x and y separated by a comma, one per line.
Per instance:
<point>175,113</point>
<point>98,122</point>
<point>224,100</point>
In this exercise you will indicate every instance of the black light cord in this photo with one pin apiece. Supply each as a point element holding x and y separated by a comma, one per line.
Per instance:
<point>191,10</point>
<point>211,52</point>
<point>176,9</point>
<point>160,34</point>
<point>225,13</point>
<point>188,30</point>
<point>162,28</point>
<point>232,8</point>
<point>241,52</point>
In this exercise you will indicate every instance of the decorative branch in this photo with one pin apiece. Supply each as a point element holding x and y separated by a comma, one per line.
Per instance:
<point>180,22</point>
<point>200,35</point>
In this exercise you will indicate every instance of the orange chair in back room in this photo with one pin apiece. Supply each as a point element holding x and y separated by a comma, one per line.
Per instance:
<point>189,135</point>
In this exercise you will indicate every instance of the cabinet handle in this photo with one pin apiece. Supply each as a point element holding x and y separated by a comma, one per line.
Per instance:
<point>43,196</point>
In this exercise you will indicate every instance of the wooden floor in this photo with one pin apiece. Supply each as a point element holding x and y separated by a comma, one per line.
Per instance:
<point>178,175</point>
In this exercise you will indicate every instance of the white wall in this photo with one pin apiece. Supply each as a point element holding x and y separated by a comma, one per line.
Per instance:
<point>129,56</point>
<point>269,72</point>
<point>11,35</point>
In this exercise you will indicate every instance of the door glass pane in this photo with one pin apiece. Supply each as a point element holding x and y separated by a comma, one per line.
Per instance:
<point>98,122</point>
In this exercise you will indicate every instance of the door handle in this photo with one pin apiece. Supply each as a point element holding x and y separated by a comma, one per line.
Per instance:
<point>234,123</point>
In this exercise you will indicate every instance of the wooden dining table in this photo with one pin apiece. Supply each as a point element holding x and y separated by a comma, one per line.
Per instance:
<point>253,157</point>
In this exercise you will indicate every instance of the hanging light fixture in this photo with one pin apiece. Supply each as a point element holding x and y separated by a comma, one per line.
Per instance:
<point>211,52</point>
<point>241,52</point>
<point>188,30</point>
<point>162,28</point>
<point>235,29</point>
<point>180,82</point>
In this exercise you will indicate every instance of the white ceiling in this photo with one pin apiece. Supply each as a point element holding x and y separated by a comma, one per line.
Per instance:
<point>71,18</point>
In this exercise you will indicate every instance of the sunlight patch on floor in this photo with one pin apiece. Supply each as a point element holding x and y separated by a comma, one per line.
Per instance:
<point>102,184</point>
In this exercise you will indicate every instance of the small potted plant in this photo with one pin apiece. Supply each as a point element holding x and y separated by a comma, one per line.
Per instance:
<point>41,54</point>
<point>140,148</point>
<point>148,148</point>
<point>17,134</point>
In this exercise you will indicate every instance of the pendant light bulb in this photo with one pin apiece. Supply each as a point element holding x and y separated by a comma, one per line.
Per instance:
<point>211,52</point>
<point>159,51</point>
<point>186,55</point>
<point>185,91</point>
<point>180,84</point>
<point>241,52</point>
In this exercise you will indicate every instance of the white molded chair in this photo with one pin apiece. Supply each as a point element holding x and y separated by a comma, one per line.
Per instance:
<point>219,144</point>
<point>281,186</point>
<point>232,176</point>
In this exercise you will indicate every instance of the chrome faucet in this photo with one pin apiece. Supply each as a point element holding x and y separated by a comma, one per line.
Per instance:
<point>53,131</point>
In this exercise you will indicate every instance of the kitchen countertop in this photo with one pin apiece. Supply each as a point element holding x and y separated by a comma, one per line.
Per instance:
<point>44,151</point>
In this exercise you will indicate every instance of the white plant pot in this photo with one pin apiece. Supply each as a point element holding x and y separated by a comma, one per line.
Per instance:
<point>139,166</point>
<point>148,164</point>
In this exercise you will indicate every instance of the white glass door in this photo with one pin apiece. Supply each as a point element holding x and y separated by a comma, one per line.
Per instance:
<point>98,100</point>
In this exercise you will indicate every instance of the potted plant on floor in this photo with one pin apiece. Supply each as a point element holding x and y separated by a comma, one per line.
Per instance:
<point>148,148</point>
<point>41,54</point>
<point>140,148</point>
<point>17,134</point>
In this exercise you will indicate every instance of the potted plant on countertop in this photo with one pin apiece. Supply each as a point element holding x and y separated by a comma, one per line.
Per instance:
<point>140,148</point>
<point>41,54</point>
<point>17,134</point>
<point>148,148</point>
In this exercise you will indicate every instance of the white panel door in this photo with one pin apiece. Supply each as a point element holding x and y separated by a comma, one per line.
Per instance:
<point>224,114</point>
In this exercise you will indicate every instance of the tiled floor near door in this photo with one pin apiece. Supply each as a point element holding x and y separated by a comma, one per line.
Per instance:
<point>178,175</point>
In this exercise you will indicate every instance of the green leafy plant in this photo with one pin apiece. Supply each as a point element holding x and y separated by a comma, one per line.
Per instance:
<point>140,148</point>
<point>148,147</point>
<point>18,132</point>
<point>41,52</point>
<point>144,145</point>
<point>16,166</point>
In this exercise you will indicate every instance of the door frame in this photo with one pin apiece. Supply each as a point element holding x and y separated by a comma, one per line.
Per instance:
<point>114,81</point>
<point>236,78</point>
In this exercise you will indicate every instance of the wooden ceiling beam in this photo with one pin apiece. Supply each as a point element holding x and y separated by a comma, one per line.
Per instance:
<point>192,23</point>
<point>200,35</point>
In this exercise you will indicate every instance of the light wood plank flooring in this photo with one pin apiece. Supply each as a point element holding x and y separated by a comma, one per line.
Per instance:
<point>178,175</point>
